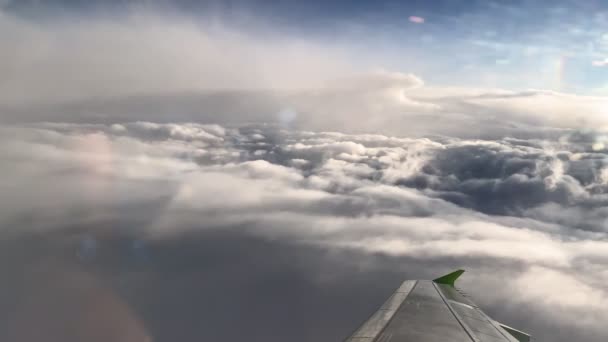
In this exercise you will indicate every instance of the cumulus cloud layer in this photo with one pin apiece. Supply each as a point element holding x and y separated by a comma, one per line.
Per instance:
<point>528,210</point>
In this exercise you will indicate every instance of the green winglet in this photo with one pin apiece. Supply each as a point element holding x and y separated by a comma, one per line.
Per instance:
<point>449,279</point>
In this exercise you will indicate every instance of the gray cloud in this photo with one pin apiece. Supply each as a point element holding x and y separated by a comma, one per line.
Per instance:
<point>323,221</point>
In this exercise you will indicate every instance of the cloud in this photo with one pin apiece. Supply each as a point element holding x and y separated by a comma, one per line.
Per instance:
<point>549,108</point>
<point>168,68</point>
<point>379,102</point>
<point>365,206</point>
<point>378,81</point>
<point>58,61</point>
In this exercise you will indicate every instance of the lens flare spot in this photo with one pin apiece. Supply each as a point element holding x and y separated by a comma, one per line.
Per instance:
<point>416,20</point>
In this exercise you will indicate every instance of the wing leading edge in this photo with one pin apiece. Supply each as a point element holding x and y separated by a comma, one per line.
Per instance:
<point>433,311</point>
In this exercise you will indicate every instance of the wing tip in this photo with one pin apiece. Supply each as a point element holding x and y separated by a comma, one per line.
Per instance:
<point>450,278</point>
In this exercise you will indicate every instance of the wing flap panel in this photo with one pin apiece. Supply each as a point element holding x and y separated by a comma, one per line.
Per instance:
<point>370,330</point>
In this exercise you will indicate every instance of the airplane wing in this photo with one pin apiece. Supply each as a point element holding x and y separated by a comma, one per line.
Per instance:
<point>433,311</point>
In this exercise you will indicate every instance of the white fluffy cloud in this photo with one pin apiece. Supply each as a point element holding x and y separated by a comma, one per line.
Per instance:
<point>404,198</point>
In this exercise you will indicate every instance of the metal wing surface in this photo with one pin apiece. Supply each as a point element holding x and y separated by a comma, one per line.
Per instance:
<point>433,311</point>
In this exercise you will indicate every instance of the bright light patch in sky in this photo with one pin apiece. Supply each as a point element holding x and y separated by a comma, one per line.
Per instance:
<point>416,20</point>
<point>600,63</point>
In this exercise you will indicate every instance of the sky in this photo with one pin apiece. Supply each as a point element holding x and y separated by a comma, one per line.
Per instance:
<point>222,170</point>
<point>560,46</point>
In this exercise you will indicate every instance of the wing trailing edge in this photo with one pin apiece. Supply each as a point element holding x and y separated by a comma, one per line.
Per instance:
<point>518,334</point>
